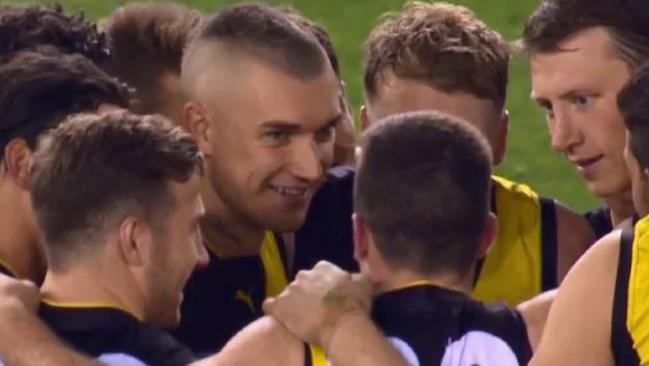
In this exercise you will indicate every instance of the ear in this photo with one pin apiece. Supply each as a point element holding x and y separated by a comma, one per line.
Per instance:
<point>198,124</point>
<point>488,235</point>
<point>365,119</point>
<point>17,161</point>
<point>361,239</point>
<point>135,241</point>
<point>501,147</point>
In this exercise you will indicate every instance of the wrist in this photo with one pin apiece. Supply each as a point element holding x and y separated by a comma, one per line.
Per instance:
<point>346,323</point>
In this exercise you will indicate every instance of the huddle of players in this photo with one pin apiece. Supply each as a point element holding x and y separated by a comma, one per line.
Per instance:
<point>258,93</point>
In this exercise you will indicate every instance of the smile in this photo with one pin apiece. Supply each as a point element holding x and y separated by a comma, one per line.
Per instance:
<point>290,191</point>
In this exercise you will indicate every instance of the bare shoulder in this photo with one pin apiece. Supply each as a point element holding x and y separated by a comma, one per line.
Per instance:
<point>578,329</point>
<point>263,342</point>
<point>574,237</point>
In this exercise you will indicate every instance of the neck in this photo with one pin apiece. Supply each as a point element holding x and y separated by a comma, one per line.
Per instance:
<point>20,247</point>
<point>92,284</point>
<point>621,207</point>
<point>226,233</point>
<point>403,278</point>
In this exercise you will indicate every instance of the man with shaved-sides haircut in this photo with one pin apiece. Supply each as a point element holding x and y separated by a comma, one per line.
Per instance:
<point>146,42</point>
<point>29,26</point>
<point>264,105</point>
<point>61,84</point>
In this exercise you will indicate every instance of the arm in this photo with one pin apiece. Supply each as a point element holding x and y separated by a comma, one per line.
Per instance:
<point>535,314</point>
<point>578,330</point>
<point>574,237</point>
<point>24,339</point>
<point>328,308</point>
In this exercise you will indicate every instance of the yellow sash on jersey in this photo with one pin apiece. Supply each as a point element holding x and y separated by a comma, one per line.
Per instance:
<point>512,269</point>
<point>276,279</point>
<point>9,268</point>
<point>637,321</point>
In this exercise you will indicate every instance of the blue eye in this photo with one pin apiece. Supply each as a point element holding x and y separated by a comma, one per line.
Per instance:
<point>581,100</point>
<point>276,137</point>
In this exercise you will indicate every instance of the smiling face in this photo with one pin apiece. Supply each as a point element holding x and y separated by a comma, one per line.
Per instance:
<point>578,87</point>
<point>269,142</point>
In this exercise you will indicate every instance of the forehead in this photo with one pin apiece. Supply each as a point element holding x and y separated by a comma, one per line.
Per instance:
<point>401,95</point>
<point>257,93</point>
<point>585,60</point>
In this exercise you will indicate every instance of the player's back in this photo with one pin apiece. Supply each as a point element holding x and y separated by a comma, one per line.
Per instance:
<point>431,325</point>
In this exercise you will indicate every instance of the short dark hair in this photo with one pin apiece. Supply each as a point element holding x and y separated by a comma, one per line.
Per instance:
<point>440,44</point>
<point>95,169</point>
<point>422,187</point>
<point>40,88</point>
<point>320,33</point>
<point>146,41</point>
<point>269,35</point>
<point>633,102</point>
<point>28,26</point>
<point>554,21</point>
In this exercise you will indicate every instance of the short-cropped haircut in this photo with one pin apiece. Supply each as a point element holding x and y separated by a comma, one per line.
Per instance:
<point>266,34</point>
<point>94,170</point>
<point>422,187</point>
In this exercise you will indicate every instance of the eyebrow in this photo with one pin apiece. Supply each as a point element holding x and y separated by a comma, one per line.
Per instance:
<point>294,127</point>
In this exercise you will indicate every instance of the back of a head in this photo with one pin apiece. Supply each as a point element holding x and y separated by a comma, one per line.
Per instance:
<point>422,187</point>
<point>40,88</point>
<point>261,33</point>
<point>439,44</point>
<point>94,170</point>
<point>28,26</point>
<point>555,21</point>
<point>147,41</point>
<point>633,102</point>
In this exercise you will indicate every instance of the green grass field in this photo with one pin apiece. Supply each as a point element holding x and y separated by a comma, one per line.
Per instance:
<point>529,158</point>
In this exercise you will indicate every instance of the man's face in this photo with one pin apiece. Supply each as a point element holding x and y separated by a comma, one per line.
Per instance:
<point>400,95</point>
<point>271,140</point>
<point>178,251</point>
<point>639,184</point>
<point>578,88</point>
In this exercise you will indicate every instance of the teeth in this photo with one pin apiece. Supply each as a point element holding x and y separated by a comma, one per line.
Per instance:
<point>286,191</point>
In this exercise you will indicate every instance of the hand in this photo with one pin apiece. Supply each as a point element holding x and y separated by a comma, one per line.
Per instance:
<point>14,292</point>
<point>312,306</point>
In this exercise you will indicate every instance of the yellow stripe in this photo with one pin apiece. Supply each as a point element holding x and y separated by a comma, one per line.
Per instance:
<point>9,268</point>
<point>276,279</point>
<point>318,357</point>
<point>414,284</point>
<point>638,292</point>
<point>87,305</point>
<point>512,269</point>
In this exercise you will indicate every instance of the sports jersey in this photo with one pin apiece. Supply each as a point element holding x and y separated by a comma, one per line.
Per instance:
<point>109,333</point>
<point>431,325</point>
<point>224,297</point>
<point>521,263</point>
<point>600,221</point>
<point>629,323</point>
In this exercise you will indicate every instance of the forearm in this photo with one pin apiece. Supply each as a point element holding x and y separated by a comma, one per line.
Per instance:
<point>25,340</point>
<point>357,342</point>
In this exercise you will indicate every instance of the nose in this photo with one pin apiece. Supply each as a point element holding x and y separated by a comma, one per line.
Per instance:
<point>563,132</point>
<point>309,160</point>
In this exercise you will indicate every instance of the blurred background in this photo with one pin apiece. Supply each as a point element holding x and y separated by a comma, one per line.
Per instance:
<point>529,157</point>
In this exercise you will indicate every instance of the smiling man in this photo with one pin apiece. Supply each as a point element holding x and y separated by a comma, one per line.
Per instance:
<point>264,105</point>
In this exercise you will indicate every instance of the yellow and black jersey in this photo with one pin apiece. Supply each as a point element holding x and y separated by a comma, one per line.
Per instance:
<point>600,221</point>
<point>431,325</point>
<point>522,261</point>
<point>630,321</point>
<point>227,295</point>
<point>113,336</point>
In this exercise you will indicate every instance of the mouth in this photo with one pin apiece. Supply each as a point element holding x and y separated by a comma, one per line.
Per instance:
<point>584,165</point>
<point>290,192</point>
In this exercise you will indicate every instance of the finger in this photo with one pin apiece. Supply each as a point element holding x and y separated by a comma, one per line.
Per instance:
<point>268,305</point>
